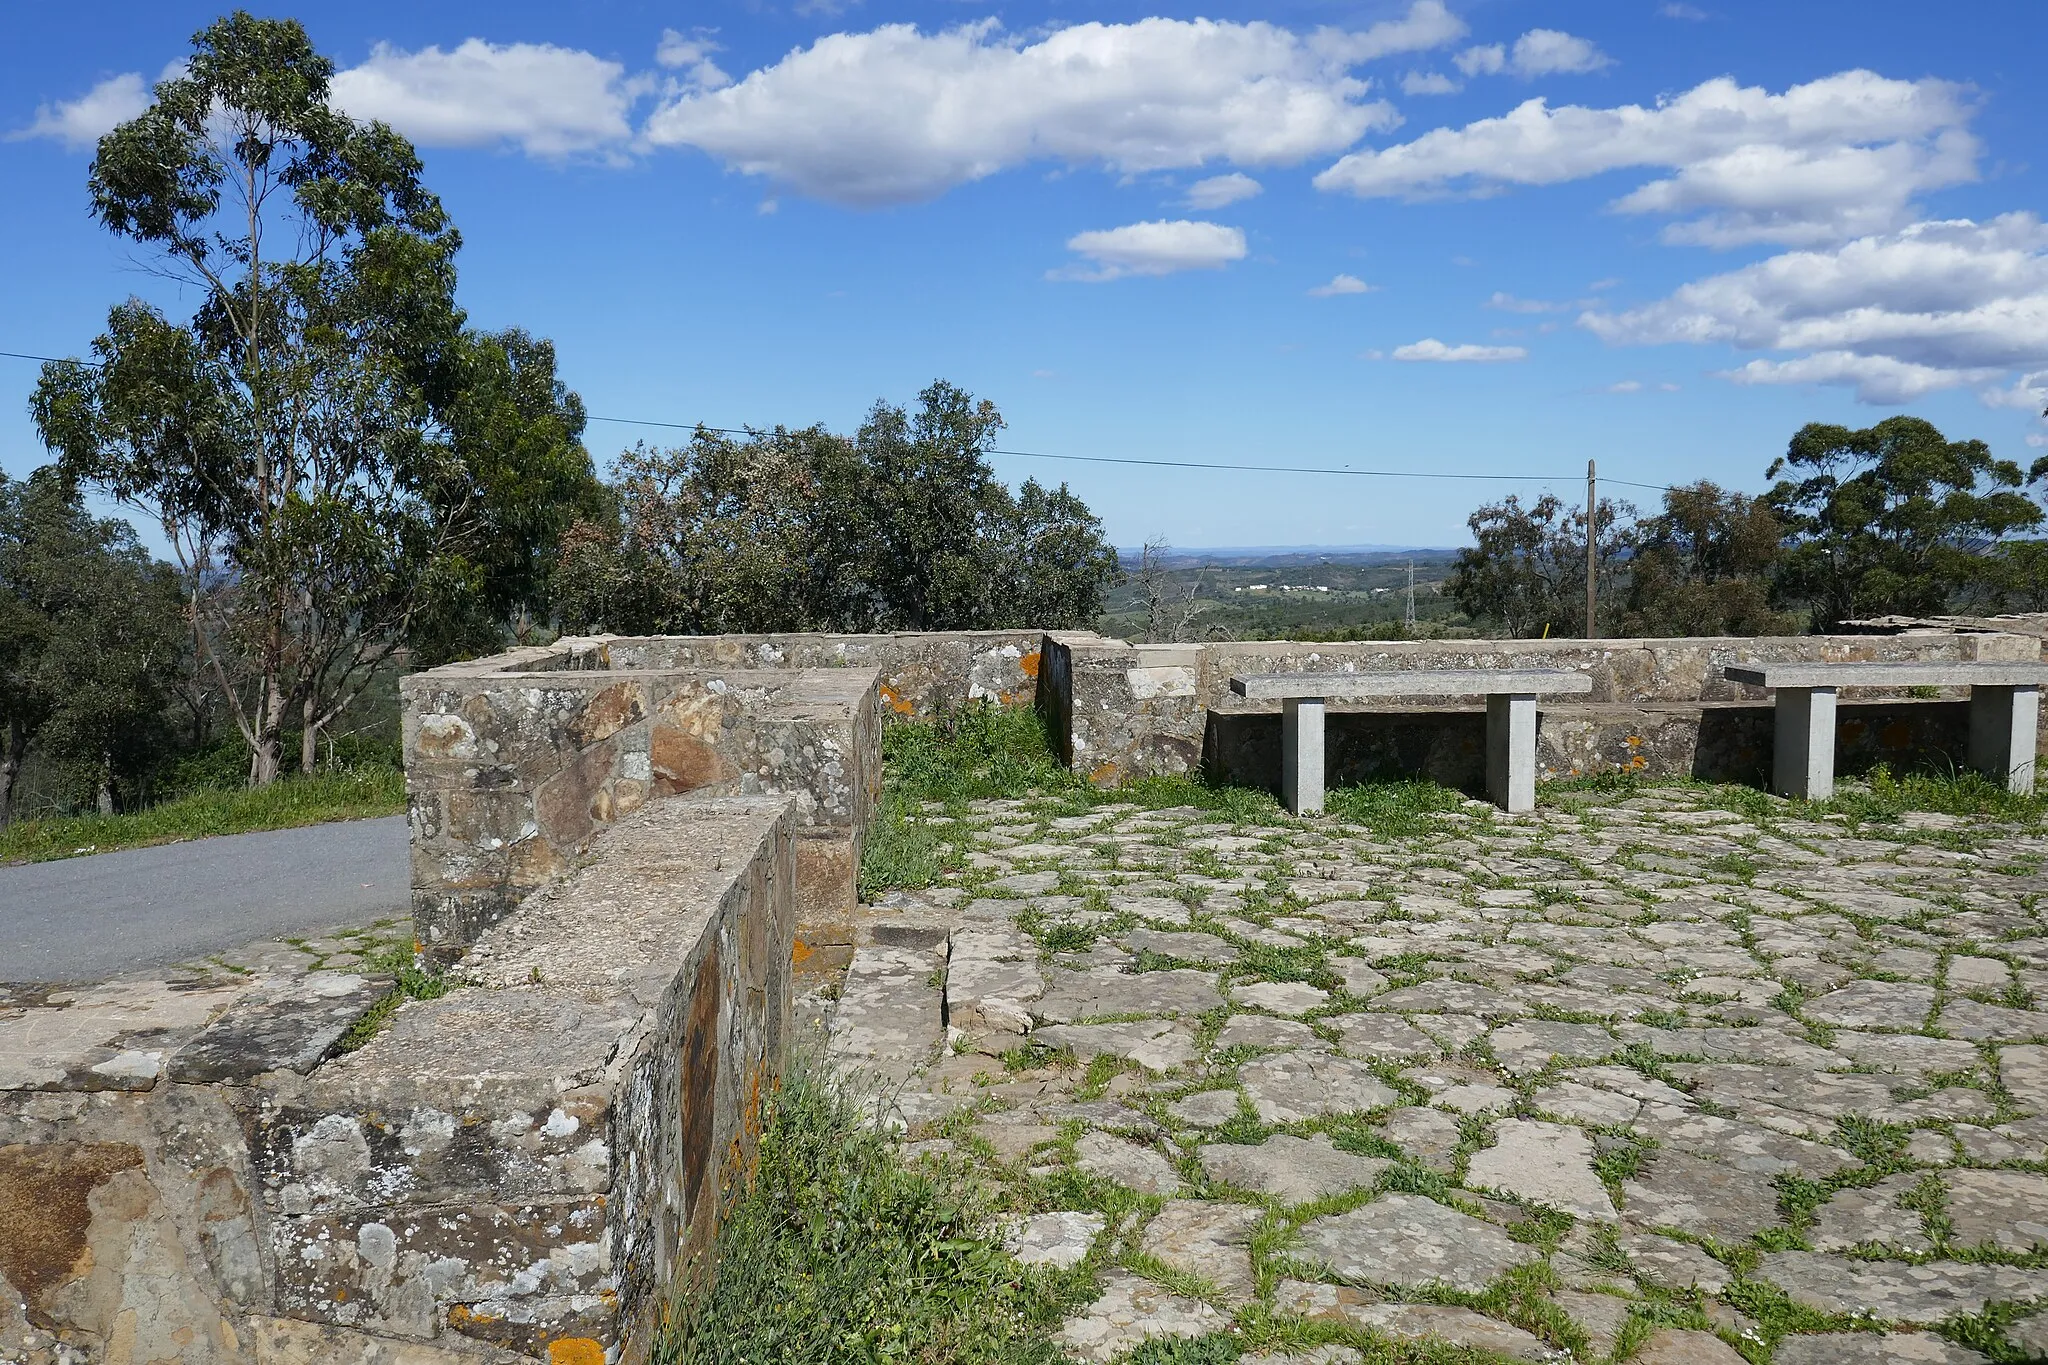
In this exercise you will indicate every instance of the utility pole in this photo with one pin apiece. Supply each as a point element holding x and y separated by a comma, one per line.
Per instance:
<point>1411,597</point>
<point>1592,554</point>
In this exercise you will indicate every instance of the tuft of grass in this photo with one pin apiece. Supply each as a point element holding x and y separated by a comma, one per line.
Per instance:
<point>1218,1348</point>
<point>1888,796</point>
<point>841,1252</point>
<point>411,980</point>
<point>1394,809</point>
<point>349,794</point>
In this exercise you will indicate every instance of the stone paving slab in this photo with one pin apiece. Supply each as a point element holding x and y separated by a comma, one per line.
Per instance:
<point>1664,1041</point>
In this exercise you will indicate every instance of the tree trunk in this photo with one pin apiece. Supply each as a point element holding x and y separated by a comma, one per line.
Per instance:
<point>266,754</point>
<point>10,767</point>
<point>309,740</point>
<point>106,795</point>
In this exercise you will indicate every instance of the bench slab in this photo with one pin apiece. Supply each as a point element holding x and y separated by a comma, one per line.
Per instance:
<point>1889,675</point>
<point>1421,682</point>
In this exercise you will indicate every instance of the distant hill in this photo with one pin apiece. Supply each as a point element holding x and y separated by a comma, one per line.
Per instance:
<point>1282,556</point>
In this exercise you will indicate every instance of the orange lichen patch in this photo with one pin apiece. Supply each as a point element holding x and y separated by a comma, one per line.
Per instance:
<point>1104,775</point>
<point>1029,663</point>
<point>575,1351</point>
<point>800,952</point>
<point>462,1317</point>
<point>895,701</point>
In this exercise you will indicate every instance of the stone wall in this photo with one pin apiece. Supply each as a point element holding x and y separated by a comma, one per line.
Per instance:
<point>921,674</point>
<point>514,763</point>
<point>1658,707</point>
<point>521,1169</point>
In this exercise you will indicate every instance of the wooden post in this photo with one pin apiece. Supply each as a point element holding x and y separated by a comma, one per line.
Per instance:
<point>1592,554</point>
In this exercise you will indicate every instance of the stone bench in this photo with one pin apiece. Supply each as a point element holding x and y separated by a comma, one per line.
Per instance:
<point>2005,709</point>
<point>1510,720</point>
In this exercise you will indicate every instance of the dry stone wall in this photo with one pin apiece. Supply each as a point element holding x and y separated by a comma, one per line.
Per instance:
<point>1658,707</point>
<point>523,1168</point>
<point>514,762</point>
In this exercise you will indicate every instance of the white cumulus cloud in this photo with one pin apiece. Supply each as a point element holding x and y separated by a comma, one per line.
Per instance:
<point>547,100</point>
<point>1219,190</point>
<point>1937,305</point>
<point>1548,52</point>
<point>1340,285</point>
<point>691,55</point>
<point>1834,158</point>
<point>79,124</point>
<point>1429,348</point>
<point>1154,248</point>
<point>895,115</point>
<point>1539,52</point>
<point>1428,83</point>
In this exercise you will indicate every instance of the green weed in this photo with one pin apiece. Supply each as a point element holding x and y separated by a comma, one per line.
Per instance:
<point>841,1252</point>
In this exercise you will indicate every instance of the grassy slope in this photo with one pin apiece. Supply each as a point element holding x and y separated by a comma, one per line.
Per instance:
<point>353,794</point>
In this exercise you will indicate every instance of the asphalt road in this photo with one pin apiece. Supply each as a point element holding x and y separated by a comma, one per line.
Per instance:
<point>80,919</point>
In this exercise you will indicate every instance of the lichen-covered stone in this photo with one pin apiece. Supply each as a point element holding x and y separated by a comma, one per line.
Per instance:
<point>1413,1242</point>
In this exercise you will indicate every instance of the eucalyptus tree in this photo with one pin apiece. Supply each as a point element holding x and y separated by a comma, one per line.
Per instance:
<point>309,438</point>
<point>1893,518</point>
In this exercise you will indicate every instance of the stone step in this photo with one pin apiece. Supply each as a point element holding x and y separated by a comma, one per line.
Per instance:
<point>890,1018</point>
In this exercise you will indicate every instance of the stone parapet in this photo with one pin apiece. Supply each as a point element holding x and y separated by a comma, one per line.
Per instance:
<point>514,763</point>
<point>1658,707</point>
<point>523,1168</point>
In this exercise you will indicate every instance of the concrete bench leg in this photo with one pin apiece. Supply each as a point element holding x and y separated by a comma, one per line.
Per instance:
<point>1803,759</point>
<point>2003,726</point>
<point>1511,751</point>
<point>1301,754</point>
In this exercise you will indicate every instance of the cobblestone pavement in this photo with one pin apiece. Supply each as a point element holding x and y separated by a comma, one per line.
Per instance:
<point>1672,1076</point>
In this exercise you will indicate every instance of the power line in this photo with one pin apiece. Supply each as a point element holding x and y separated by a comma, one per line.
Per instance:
<point>1194,464</point>
<point>52,359</point>
<point>1082,459</point>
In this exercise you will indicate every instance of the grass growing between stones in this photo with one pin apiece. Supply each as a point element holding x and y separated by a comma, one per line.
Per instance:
<point>352,794</point>
<point>843,1252</point>
<point>410,981</point>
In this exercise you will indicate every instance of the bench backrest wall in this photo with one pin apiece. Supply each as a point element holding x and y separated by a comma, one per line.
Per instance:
<point>1657,706</point>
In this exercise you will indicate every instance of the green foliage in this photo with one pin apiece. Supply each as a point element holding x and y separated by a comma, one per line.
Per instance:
<point>338,466</point>
<point>411,980</point>
<point>90,644</point>
<point>1886,797</point>
<point>1702,567</point>
<point>1394,810</point>
<point>1526,570</point>
<point>1891,518</point>
<point>903,526</point>
<point>840,1252</point>
<point>1989,1332</point>
<point>351,794</point>
<point>975,752</point>
<point>1215,1349</point>
<point>1270,963</point>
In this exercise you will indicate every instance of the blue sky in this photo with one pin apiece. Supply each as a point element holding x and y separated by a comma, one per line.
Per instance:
<point>1477,236</point>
